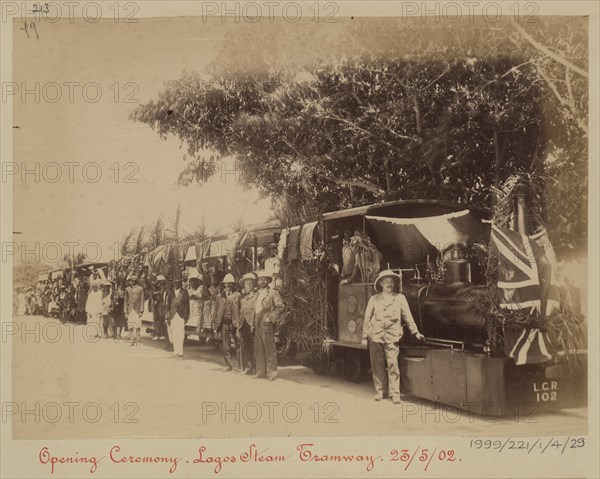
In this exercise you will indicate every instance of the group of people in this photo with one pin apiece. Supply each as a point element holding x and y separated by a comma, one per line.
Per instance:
<point>245,315</point>
<point>56,297</point>
<point>244,319</point>
<point>245,311</point>
<point>114,308</point>
<point>26,301</point>
<point>41,300</point>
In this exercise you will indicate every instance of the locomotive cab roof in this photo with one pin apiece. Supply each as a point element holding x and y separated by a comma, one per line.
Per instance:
<point>408,209</point>
<point>410,232</point>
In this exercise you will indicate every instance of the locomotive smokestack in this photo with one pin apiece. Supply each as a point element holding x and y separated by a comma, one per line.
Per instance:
<point>520,216</point>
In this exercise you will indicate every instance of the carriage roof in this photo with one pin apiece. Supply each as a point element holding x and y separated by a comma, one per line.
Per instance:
<point>96,264</point>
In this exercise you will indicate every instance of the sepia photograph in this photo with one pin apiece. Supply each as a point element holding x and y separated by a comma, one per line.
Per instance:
<point>249,239</point>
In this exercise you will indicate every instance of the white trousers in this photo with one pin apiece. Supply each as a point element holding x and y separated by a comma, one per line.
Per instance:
<point>178,333</point>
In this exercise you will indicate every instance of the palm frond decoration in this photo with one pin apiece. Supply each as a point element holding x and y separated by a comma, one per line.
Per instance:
<point>307,311</point>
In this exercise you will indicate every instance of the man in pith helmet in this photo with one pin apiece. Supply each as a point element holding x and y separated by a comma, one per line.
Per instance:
<point>385,315</point>
<point>227,318</point>
<point>267,309</point>
<point>246,323</point>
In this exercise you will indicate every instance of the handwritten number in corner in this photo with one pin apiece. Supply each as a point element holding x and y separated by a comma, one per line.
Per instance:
<point>27,26</point>
<point>39,8</point>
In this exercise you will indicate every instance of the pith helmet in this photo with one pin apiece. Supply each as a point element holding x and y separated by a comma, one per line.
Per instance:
<point>263,274</point>
<point>228,279</point>
<point>247,276</point>
<point>388,273</point>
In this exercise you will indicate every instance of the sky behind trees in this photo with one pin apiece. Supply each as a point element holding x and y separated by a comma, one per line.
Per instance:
<point>129,64</point>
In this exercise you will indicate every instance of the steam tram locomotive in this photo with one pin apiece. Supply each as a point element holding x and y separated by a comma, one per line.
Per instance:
<point>454,365</point>
<point>416,238</point>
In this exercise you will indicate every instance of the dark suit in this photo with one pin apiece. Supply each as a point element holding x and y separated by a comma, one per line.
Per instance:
<point>267,308</point>
<point>246,332</point>
<point>227,322</point>
<point>158,306</point>
<point>179,304</point>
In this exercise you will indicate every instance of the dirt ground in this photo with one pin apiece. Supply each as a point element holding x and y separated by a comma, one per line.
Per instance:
<point>67,387</point>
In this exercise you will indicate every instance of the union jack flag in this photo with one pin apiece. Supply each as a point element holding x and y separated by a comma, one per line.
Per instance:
<point>526,270</point>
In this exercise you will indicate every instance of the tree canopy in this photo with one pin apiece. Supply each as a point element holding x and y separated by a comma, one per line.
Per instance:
<point>381,109</point>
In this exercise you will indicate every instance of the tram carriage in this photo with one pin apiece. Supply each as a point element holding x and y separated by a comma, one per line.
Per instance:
<point>58,277</point>
<point>43,277</point>
<point>199,258</point>
<point>83,269</point>
<point>454,365</point>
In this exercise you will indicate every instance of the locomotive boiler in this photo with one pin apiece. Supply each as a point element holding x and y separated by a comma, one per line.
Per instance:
<point>446,312</point>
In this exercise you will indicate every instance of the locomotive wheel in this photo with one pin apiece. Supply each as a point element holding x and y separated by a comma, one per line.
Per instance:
<point>353,370</point>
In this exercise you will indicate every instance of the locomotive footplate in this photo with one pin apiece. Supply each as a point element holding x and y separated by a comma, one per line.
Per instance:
<point>488,385</point>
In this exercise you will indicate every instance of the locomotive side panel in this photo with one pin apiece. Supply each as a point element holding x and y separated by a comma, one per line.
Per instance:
<point>352,302</point>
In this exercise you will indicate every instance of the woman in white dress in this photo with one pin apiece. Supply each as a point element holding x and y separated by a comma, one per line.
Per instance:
<point>93,306</point>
